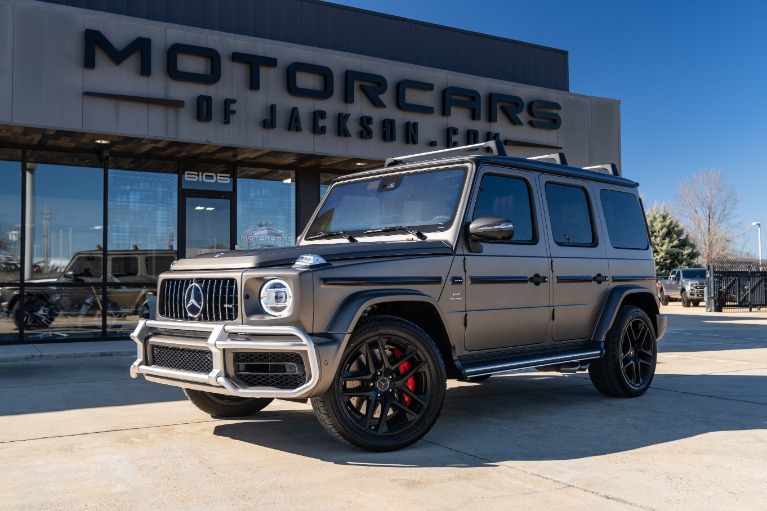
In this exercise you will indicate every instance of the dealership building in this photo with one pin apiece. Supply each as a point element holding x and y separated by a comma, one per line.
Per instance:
<point>135,132</point>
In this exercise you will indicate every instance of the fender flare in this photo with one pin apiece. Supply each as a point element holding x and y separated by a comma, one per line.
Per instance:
<point>33,293</point>
<point>615,298</point>
<point>336,336</point>
<point>354,305</point>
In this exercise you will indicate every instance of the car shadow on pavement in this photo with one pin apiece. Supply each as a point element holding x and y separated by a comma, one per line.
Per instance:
<point>52,385</point>
<point>520,417</point>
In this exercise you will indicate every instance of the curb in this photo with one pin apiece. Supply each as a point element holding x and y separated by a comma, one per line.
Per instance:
<point>49,356</point>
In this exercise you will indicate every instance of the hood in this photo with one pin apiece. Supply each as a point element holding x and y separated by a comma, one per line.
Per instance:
<point>286,256</point>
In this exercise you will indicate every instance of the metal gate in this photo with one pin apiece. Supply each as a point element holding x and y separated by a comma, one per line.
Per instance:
<point>736,285</point>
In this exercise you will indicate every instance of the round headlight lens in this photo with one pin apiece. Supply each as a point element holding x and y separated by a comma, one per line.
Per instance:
<point>276,297</point>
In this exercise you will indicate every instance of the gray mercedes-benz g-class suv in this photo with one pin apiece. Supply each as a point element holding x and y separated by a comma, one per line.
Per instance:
<point>433,267</point>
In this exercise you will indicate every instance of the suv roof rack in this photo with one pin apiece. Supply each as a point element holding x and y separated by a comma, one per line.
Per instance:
<point>494,146</point>
<point>606,168</point>
<point>558,158</point>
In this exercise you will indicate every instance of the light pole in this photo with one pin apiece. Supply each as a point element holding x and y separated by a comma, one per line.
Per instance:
<point>759,239</point>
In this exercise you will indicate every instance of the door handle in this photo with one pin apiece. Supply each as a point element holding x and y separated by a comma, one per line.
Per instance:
<point>538,279</point>
<point>599,278</point>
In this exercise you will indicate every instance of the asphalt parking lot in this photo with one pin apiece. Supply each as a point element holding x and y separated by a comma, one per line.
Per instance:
<point>79,433</point>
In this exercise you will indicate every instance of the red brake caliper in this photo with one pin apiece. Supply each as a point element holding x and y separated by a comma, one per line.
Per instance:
<point>410,382</point>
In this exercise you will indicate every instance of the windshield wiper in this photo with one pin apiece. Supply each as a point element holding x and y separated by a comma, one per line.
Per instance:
<point>394,228</point>
<point>331,234</point>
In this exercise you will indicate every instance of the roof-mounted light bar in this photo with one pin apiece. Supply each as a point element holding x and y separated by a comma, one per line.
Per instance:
<point>494,146</point>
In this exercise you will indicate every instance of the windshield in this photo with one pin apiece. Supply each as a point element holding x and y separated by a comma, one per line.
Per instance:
<point>697,273</point>
<point>425,201</point>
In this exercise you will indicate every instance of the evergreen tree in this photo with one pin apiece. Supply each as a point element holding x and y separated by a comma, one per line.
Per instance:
<point>671,245</point>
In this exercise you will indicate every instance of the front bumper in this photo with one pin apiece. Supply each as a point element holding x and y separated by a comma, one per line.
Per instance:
<point>662,321</point>
<point>221,378</point>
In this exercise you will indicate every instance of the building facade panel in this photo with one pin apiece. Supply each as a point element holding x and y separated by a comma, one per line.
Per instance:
<point>6,61</point>
<point>605,132</point>
<point>306,22</point>
<point>47,86</point>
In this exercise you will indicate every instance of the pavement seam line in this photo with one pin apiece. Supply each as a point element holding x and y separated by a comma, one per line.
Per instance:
<point>541,476</point>
<point>710,396</point>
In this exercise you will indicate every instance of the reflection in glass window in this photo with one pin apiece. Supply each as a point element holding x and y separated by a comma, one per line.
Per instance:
<point>325,179</point>
<point>508,198</point>
<point>10,221</point>
<point>143,204</point>
<point>266,208</point>
<point>67,204</point>
<point>625,220</point>
<point>207,225</point>
<point>570,215</point>
<point>10,239</point>
<point>65,225</point>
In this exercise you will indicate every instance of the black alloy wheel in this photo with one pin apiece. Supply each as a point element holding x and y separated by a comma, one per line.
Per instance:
<point>389,387</point>
<point>631,353</point>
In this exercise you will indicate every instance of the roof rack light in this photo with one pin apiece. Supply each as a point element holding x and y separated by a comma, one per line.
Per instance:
<point>558,158</point>
<point>494,146</point>
<point>607,168</point>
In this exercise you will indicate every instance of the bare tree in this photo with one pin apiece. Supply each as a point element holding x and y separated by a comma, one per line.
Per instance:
<point>706,204</point>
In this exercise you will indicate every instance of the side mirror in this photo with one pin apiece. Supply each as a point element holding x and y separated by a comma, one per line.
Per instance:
<point>489,228</point>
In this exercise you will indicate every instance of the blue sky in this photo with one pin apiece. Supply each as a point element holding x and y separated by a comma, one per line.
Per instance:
<point>691,78</point>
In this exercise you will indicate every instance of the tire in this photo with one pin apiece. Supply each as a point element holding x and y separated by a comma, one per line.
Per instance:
<point>28,316</point>
<point>384,403</point>
<point>223,406</point>
<point>685,300</point>
<point>663,298</point>
<point>631,352</point>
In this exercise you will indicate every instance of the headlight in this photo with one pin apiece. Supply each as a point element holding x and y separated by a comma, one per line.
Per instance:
<point>276,297</point>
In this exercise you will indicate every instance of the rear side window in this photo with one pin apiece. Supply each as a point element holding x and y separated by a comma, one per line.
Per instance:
<point>570,214</point>
<point>624,219</point>
<point>125,266</point>
<point>507,198</point>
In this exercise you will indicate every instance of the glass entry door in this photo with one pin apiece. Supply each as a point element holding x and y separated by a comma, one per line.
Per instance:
<point>208,225</point>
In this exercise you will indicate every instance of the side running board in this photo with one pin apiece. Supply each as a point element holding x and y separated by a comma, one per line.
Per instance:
<point>498,362</point>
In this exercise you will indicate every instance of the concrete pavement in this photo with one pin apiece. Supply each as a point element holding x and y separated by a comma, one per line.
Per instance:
<point>78,433</point>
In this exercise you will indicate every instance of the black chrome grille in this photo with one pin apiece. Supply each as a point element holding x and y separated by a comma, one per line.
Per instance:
<point>195,361</point>
<point>219,302</point>
<point>282,370</point>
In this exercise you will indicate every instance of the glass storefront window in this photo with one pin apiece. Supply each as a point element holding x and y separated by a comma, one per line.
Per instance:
<point>207,225</point>
<point>10,238</point>
<point>266,208</point>
<point>143,204</point>
<point>63,264</point>
<point>142,237</point>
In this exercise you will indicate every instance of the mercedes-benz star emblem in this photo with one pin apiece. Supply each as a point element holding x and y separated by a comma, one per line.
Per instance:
<point>193,300</point>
